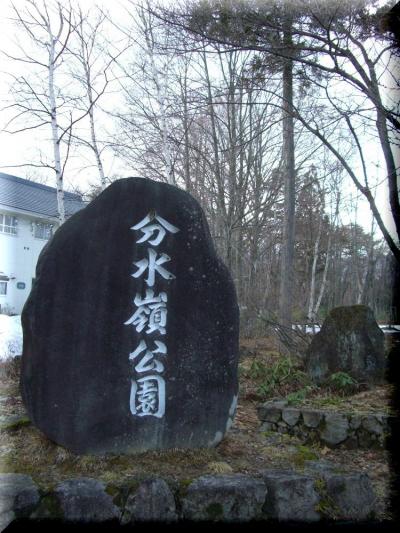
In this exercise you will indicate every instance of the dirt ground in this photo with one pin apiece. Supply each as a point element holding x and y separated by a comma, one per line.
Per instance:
<point>244,449</point>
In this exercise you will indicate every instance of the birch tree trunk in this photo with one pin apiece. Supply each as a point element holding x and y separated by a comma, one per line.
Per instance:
<point>369,271</point>
<point>95,146</point>
<point>183,81</point>
<point>89,89</point>
<point>311,313</point>
<point>55,128</point>
<point>214,136</point>
<point>324,279</point>
<point>161,89</point>
<point>49,28</point>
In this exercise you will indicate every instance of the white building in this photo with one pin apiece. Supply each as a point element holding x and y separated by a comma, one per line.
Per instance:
<point>28,218</point>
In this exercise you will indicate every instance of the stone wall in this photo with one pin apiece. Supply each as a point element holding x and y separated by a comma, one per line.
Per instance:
<point>319,492</point>
<point>331,428</point>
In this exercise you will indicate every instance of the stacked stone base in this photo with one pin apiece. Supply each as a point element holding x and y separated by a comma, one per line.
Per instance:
<point>330,428</point>
<point>319,493</point>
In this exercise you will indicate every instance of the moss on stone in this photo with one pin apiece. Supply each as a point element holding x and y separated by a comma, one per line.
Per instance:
<point>268,434</point>
<point>112,490</point>
<point>214,511</point>
<point>184,483</point>
<point>14,422</point>
<point>326,506</point>
<point>49,507</point>
<point>303,454</point>
<point>350,317</point>
<point>119,494</point>
<point>183,487</point>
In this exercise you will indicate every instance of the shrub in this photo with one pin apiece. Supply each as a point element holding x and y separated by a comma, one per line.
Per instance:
<point>342,382</point>
<point>298,396</point>
<point>284,373</point>
<point>257,370</point>
<point>303,454</point>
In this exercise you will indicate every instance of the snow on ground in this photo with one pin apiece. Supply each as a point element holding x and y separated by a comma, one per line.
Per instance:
<point>10,337</point>
<point>385,327</point>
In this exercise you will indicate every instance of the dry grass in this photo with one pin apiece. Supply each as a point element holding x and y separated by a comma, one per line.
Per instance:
<point>219,467</point>
<point>373,400</point>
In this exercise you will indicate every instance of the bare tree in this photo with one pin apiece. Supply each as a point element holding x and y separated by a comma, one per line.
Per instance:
<point>86,55</point>
<point>41,99</point>
<point>288,156</point>
<point>146,87</point>
<point>335,41</point>
<point>91,58</point>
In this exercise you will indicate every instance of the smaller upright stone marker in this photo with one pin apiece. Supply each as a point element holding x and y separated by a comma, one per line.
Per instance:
<point>350,341</point>
<point>131,329</point>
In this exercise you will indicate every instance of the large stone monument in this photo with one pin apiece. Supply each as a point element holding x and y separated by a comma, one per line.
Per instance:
<point>350,341</point>
<point>131,327</point>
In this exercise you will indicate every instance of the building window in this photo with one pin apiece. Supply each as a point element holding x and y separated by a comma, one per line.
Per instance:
<point>42,230</point>
<point>8,224</point>
<point>3,287</point>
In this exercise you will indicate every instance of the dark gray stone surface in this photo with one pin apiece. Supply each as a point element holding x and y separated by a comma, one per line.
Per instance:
<point>290,497</point>
<point>290,416</point>
<point>323,490</point>
<point>335,430</point>
<point>230,498</point>
<point>322,465</point>
<point>17,492</point>
<point>311,418</point>
<point>153,501</point>
<point>351,495</point>
<point>85,500</point>
<point>18,496</point>
<point>355,421</point>
<point>331,428</point>
<point>350,341</point>
<point>269,412</point>
<point>77,381</point>
<point>372,424</point>
<point>6,519</point>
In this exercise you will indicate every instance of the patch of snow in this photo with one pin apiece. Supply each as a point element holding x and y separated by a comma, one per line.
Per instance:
<point>309,329</point>
<point>391,328</point>
<point>10,337</point>
<point>306,328</point>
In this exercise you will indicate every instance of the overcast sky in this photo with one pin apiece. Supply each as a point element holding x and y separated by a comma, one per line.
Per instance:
<point>23,147</point>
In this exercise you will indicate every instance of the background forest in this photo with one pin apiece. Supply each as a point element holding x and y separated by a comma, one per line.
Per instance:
<point>280,117</point>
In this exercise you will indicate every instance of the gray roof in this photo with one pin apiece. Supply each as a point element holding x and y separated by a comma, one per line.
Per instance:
<point>34,197</point>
